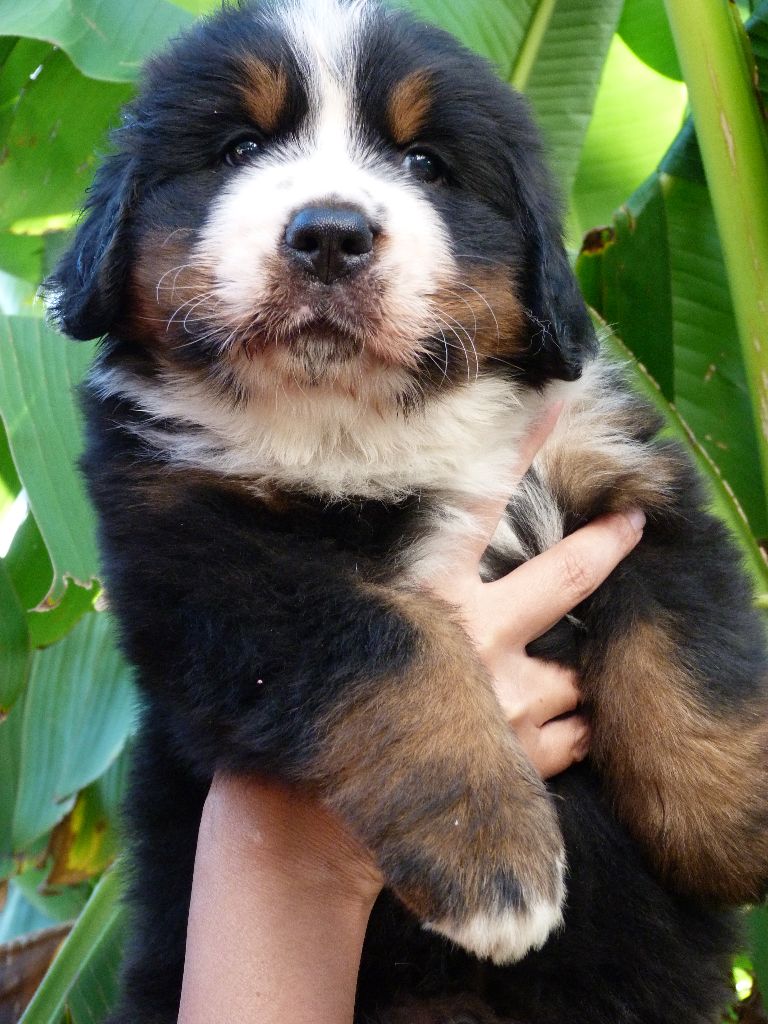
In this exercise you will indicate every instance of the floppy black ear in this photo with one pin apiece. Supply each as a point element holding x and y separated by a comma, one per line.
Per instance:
<point>561,337</point>
<point>84,293</point>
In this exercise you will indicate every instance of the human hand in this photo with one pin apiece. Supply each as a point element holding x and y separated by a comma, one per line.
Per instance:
<point>540,699</point>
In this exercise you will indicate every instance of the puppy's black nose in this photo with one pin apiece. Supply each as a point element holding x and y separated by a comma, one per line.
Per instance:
<point>329,242</point>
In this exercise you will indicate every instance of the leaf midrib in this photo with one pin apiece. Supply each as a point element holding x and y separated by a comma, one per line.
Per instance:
<point>532,43</point>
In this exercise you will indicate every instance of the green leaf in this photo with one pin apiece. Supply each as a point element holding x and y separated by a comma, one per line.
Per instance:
<point>636,117</point>
<point>31,572</point>
<point>645,29</point>
<point>55,123</point>
<point>6,45</point>
<point>658,276</point>
<point>10,485</point>
<point>683,160</point>
<point>10,762</point>
<point>494,28</point>
<point>60,904</point>
<point>565,76</point>
<point>22,256</point>
<point>83,977</point>
<point>106,39</point>
<point>553,50</point>
<point>20,916</point>
<point>84,843</point>
<point>198,7</point>
<point>38,372</point>
<point>113,783</point>
<point>757,924</point>
<point>20,59</point>
<point>757,30</point>
<point>624,273</point>
<point>70,724</point>
<point>14,642</point>
<point>29,564</point>
<point>17,296</point>
<point>36,897</point>
<point>710,384</point>
<point>47,624</point>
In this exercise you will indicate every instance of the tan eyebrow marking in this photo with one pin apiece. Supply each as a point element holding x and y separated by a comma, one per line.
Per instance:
<point>409,105</point>
<point>265,92</point>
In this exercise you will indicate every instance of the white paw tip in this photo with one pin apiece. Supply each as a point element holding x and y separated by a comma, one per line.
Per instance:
<point>506,935</point>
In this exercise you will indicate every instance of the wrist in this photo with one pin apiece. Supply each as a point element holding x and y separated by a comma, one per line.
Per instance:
<point>290,842</point>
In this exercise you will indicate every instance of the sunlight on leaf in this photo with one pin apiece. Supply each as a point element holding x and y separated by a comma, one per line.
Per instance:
<point>743,982</point>
<point>637,115</point>
<point>106,40</point>
<point>39,371</point>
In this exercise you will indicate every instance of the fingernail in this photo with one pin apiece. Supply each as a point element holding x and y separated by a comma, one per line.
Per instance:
<point>637,519</point>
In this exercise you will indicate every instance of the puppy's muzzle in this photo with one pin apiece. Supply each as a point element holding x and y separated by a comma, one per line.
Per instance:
<point>329,242</point>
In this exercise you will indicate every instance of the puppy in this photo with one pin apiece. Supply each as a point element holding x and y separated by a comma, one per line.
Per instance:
<point>326,264</point>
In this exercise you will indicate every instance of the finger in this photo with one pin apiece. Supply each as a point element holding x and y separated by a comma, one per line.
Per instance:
<point>536,692</point>
<point>547,587</point>
<point>561,743</point>
<point>539,431</point>
<point>486,513</point>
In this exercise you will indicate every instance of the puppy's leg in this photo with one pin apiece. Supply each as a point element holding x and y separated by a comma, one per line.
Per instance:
<point>681,722</point>
<point>675,662</point>
<point>434,782</point>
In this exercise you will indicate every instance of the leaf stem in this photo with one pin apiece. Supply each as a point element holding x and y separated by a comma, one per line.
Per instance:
<point>734,148</point>
<point>98,916</point>
<point>534,37</point>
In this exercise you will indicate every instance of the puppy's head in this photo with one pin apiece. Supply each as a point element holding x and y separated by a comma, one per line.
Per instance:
<point>323,194</point>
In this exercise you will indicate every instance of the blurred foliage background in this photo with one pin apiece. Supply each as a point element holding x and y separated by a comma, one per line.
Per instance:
<point>668,226</point>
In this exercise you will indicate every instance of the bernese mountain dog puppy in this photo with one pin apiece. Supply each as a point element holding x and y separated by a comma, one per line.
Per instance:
<point>326,263</point>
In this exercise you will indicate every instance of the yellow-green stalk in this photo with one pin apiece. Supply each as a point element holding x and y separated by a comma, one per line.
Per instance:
<point>734,148</point>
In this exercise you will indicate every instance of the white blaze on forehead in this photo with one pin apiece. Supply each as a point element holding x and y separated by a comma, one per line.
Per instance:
<point>323,34</point>
<point>326,161</point>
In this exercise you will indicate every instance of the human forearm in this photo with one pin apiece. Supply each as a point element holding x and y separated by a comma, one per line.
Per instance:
<point>280,904</point>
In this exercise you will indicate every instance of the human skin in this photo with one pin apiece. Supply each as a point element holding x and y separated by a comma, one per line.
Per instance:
<point>282,891</point>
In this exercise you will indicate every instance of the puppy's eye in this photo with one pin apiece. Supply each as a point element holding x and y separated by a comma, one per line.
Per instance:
<point>423,166</point>
<point>242,152</point>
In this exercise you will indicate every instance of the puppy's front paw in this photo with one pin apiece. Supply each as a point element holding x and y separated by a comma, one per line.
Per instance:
<point>429,776</point>
<point>491,880</point>
<point>515,924</point>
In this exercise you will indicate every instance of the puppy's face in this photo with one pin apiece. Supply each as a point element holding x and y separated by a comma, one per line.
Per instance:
<point>324,195</point>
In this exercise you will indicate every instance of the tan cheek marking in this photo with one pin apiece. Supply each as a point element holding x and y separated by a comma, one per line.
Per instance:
<point>691,785</point>
<point>164,285</point>
<point>265,92</point>
<point>409,105</point>
<point>482,302</point>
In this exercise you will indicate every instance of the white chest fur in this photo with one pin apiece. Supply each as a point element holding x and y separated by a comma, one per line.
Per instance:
<point>463,445</point>
<point>462,442</point>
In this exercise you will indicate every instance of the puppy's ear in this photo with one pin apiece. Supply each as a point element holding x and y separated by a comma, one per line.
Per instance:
<point>85,291</point>
<point>561,337</point>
